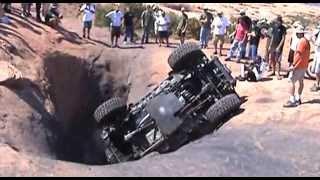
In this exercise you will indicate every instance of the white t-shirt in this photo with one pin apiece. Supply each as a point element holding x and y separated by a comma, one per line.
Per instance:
<point>156,16</point>
<point>220,24</point>
<point>163,23</point>
<point>88,12</point>
<point>116,18</point>
<point>295,40</point>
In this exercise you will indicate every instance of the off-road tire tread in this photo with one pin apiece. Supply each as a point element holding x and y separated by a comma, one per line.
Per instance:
<point>222,108</point>
<point>108,108</point>
<point>184,56</point>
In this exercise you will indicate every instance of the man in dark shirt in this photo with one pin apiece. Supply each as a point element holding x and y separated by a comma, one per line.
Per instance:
<point>128,24</point>
<point>254,39</point>
<point>146,23</point>
<point>182,26</point>
<point>205,20</point>
<point>278,35</point>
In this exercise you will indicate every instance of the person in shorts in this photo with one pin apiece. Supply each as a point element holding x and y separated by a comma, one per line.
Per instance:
<point>298,68</point>
<point>278,35</point>
<point>219,26</point>
<point>116,17</point>
<point>88,10</point>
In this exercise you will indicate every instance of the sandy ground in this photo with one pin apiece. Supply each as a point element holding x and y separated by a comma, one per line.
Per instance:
<point>264,140</point>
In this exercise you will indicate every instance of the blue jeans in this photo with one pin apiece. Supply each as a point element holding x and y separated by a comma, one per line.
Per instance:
<point>243,50</point>
<point>129,33</point>
<point>204,36</point>
<point>236,45</point>
<point>253,51</point>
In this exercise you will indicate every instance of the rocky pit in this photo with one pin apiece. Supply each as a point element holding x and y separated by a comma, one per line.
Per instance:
<point>76,87</point>
<point>66,97</point>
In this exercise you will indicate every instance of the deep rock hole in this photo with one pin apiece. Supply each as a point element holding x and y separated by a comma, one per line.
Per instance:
<point>76,87</point>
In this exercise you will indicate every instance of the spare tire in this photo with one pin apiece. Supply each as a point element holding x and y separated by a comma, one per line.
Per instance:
<point>110,108</point>
<point>185,56</point>
<point>222,108</point>
<point>310,73</point>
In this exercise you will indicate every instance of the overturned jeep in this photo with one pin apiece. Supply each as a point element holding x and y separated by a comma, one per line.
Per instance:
<point>196,97</point>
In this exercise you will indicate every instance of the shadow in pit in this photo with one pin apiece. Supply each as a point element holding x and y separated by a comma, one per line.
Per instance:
<point>69,36</point>
<point>31,94</point>
<point>101,42</point>
<point>314,101</point>
<point>8,33</point>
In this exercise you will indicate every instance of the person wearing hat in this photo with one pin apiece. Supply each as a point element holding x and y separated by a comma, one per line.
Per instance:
<point>275,48</point>
<point>293,42</point>
<point>316,62</point>
<point>298,68</point>
<point>206,19</point>
<point>219,26</point>
<point>183,25</point>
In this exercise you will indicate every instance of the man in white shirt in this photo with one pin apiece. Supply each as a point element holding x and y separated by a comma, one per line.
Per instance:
<point>116,17</point>
<point>156,15</point>
<point>163,23</point>
<point>88,10</point>
<point>219,26</point>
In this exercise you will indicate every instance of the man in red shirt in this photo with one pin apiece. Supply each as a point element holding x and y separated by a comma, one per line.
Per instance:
<point>239,40</point>
<point>298,68</point>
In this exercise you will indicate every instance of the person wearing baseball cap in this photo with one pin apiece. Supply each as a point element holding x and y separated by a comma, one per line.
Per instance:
<point>298,68</point>
<point>220,25</point>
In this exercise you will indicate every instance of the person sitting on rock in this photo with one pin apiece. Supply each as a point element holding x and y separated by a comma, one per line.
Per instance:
<point>53,16</point>
<point>254,71</point>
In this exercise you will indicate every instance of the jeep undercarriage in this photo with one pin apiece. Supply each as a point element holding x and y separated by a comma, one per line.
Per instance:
<point>197,95</point>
